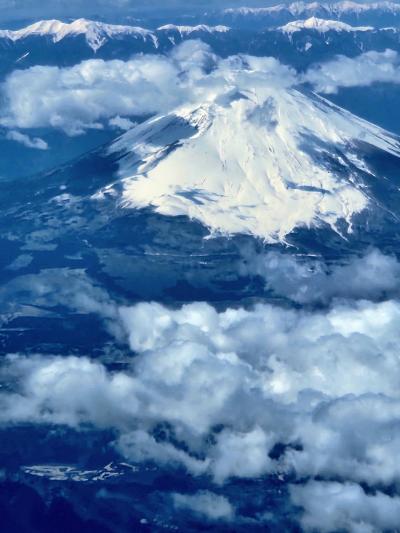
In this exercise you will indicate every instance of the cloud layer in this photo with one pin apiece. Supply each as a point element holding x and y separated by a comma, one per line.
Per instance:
<point>230,386</point>
<point>361,71</point>
<point>335,506</point>
<point>373,276</point>
<point>92,93</point>
<point>36,142</point>
<point>83,96</point>
<point>205,504</point>
<point>95,92</point>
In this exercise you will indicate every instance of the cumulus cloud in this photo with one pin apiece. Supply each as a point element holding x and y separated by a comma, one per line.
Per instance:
<point>269,375</point>
<point>229,386</point>
<point>36,142</point>
<point>360,71</point>
<point>305,280</point>
<point>81,97</point>
<point>355,439</point>
<point>139,446</point>
<point>87,95</point>
<point>60,287</point>
<point>333,506</point>
<point>121,123</point>
<point>206,504</point>
<point>94,93</point>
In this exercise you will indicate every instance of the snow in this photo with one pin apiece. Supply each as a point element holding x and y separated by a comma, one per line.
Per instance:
<point>241,165</point>
<point>356,7</point>
<point>72,473</point>
<point>96,33</point>
<point>321,25</point>
<point>22,57</point>
<point>192,29</point>
<point>254,10</point>
<point>301,8</point>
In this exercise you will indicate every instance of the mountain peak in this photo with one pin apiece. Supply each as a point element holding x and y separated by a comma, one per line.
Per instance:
<point>300,8</point>
<point>251,164</point>
<point>192,29</point>
<point>96,33</point>
<point>321,25</point>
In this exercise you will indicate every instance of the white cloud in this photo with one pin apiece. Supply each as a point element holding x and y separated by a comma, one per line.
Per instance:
<point>360,71</point>
<point>139,446</point>
<point>373,276</point>
<point>70,288</point>
<point>326,379</point>
<point>351,438</point>
<point>230,385</point>
<point>87,95</point>
<point>333,506</point>
<point>121,123</point>
<point>96,92</point>
<point>36,142</point>
<point>82,96</point>
<point>242,454</point>
<point>206,504</point>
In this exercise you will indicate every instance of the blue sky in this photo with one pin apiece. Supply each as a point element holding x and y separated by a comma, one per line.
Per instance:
<point>11,9</point>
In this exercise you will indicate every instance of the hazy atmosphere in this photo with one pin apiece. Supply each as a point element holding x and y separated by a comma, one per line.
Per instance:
<point>199,267</point>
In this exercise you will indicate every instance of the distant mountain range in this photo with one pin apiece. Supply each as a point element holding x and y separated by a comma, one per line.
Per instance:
<point>377,14</point>
<point>298,43</point>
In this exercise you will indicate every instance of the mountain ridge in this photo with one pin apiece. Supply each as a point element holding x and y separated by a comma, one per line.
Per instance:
<point>252,164</point>
<point>322,26</point>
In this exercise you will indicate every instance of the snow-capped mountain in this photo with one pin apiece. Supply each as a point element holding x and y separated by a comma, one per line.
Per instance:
<point>377,14</point>
<point>229,31</point>
<point>337,8</point>
<point>322,26</point>
<point>262,163</point>
<point>199,318</point>
<point>188,30</point>
<point>95,33</point>
<point>253,160</point>
<point>274,166</point>
<point>53,42</point>
<point>298,43</point>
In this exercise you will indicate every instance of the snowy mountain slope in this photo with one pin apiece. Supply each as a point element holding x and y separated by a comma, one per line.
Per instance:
<point>98,34</point>
<point>322,26</point>
<point>259,162</point>
<point>337,8</point>
<point>52,42</point>
<point>187,30</point>
<point>298,43</point>
<point>95,33</point>
<point>375,14</point>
